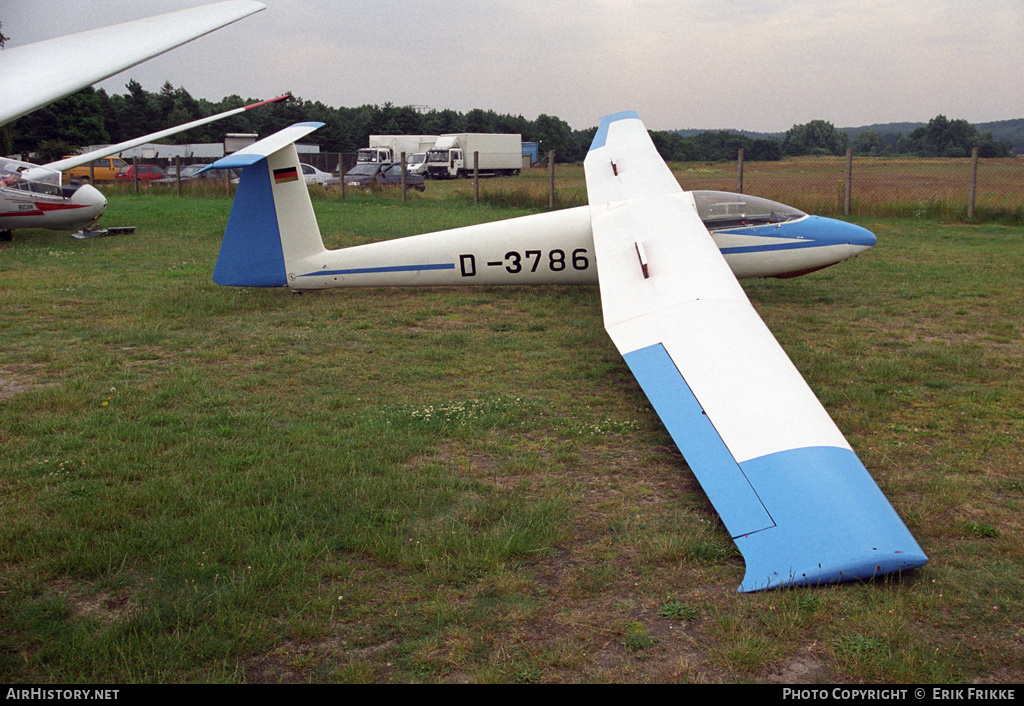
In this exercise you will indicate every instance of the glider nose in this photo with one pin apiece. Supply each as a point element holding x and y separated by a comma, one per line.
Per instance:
<point>843,233</point>
<point>90,199</point>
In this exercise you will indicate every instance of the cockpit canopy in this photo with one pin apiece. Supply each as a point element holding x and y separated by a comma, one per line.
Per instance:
<point>720,210</point>
<point>25,176</point>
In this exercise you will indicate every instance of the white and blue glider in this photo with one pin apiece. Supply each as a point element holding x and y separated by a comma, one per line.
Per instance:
<point>797,501</point>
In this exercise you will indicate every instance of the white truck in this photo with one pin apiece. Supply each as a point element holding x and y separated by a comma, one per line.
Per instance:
<point>389,148</point>
<point>416,163</point>
<point>452,155</point>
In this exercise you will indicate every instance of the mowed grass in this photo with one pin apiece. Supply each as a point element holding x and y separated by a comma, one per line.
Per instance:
<point>402,485</point>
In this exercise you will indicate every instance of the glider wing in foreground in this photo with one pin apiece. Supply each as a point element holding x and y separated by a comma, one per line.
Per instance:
<point>36,74</point>
<point>797,501</point>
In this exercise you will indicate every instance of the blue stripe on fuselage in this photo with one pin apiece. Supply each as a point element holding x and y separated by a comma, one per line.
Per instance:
<point>375,270</point>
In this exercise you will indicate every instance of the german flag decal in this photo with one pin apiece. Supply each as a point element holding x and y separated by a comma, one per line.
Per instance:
<point>283,176</point>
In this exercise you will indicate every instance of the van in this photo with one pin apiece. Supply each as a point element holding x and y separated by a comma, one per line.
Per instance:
<point>102,169</point>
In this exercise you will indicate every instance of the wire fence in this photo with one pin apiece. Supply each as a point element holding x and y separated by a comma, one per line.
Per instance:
<point>853,186</point>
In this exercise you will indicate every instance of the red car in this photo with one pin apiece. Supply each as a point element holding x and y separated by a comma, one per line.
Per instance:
<point>147,173</point>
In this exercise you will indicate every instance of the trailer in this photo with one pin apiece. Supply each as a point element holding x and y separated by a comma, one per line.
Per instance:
<point>389,148</point>
<point>453,155</point>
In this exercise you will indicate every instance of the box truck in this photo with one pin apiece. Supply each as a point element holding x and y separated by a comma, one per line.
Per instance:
<point>389,148</point>
<point>452,155</point>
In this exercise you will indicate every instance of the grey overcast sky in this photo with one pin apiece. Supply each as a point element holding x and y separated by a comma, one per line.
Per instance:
<point>749,64</point>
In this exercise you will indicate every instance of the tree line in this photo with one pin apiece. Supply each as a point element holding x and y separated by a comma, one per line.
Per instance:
<point>941,137</point>
<point>92,116</point>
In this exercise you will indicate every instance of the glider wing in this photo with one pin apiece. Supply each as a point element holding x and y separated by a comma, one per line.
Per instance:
<point>797,501</point>
<point>36,74</point>
<point>71,162</point>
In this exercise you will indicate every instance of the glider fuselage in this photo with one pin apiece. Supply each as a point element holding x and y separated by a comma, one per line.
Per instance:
<point>558,248</point>
<point>34,197</point>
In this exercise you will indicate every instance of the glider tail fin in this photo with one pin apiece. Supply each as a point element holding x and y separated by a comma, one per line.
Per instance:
<point>272,224</point>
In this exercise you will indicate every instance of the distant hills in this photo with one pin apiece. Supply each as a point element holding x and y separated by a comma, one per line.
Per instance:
<point>1011,131</point>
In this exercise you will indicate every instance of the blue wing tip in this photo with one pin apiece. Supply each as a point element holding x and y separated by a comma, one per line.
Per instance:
<point>870,566</point>
<point>606,121</point>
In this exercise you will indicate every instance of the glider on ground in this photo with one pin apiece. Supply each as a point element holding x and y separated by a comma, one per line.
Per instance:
<point>797,501</point>
<point>36,196</point>
<point>34,75</point>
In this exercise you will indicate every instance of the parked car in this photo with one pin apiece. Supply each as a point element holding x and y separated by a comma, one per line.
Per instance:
<point>366,176</point>
<point>190,173</point>
<point>147,173</point>
<point>312,175</point>
<point>102,169</point>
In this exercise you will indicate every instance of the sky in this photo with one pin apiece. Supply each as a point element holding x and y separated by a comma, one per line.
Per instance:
<point>762,65</point>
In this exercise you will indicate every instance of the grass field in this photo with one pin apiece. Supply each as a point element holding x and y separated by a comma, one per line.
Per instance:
<point>201,484</point>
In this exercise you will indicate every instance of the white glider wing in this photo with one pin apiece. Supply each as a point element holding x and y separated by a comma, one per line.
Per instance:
<point>71,162</point>
<point>34,75</point>
<point>797,501</point>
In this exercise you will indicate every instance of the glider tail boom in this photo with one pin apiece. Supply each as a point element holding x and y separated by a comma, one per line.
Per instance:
<point>272,221</point>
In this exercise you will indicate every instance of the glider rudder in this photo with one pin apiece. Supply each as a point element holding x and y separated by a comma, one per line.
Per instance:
<point>272,221</point>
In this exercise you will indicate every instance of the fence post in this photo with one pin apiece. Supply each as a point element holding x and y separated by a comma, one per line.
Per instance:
<point>476,177</point>
<point>135,172</point>
<point>974,183</point>
<point>177,174</point>
<point>739,172</point>
<point>403,177</point>
<point>551,179</point>
<point>849,182</point>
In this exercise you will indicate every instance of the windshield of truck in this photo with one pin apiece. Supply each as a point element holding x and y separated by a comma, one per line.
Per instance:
<point>437,156</point>
<point>417,158</point>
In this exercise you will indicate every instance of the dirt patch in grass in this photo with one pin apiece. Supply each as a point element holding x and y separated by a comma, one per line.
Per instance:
<point>18,380</point>
<point>294,662</point>
<point>805,667</point>
<point>103,606</point>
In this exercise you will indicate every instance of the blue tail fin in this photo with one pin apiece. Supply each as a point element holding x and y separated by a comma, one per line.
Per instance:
<point>271,221</point>
<point>251,253</point>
